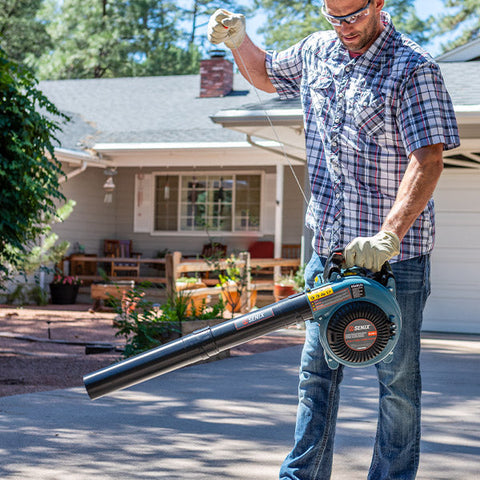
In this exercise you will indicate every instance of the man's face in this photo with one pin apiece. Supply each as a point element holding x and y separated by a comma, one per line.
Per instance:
<point>359,36</point>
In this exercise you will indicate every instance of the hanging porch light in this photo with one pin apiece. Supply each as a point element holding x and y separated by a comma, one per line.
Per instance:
<point>109,185</point>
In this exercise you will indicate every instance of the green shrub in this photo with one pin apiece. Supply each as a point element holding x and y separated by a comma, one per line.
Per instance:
<point>146,325</point>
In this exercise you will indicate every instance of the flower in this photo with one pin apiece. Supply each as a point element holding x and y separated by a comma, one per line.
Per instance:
<point>60,279</point>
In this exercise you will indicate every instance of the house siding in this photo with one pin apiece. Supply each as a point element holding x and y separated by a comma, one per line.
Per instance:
<point>93,220</point>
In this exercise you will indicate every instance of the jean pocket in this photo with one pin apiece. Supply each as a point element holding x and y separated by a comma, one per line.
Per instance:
<point>369,114</point>
<point>413,275</point>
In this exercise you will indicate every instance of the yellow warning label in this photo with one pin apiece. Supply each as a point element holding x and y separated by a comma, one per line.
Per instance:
<point>317,294</point>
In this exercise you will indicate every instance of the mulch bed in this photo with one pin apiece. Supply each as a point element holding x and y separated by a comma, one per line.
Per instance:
<point>31,361</point>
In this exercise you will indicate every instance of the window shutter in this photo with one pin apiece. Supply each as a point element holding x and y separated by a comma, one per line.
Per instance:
<point>269,201</point>
<point>143,209</point>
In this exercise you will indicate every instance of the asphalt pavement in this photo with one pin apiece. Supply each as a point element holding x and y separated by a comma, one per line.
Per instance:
<point>234,419</point>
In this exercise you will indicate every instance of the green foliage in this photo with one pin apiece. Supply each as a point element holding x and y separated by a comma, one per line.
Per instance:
<point>29,172</point>
<point>197,14</point>
<point>407,21</point>
<point>48,251</point>
<point>22,34</point>
<point>25,294</point>
<point>114,38</point>
<point>461,17</point>
<point>145,325</point>
<point>296,280</point>
<point>292,20</point>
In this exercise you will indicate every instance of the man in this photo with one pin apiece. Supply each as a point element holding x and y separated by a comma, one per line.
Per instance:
<point>377,118</point>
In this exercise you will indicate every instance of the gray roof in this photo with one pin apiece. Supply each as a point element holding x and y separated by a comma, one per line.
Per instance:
<point>168,109</point>
<point>463,81</point>
<point>143,109</point>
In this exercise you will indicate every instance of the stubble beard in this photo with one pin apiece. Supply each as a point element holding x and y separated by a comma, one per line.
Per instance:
<point>366,37</point>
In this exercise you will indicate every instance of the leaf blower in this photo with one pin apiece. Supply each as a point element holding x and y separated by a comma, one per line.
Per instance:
<point>358,316</point>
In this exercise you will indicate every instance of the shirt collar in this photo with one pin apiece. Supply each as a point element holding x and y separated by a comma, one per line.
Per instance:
<point>379,48</point>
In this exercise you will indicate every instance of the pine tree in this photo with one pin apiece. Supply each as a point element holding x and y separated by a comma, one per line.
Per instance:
<point>291,20</point>
<point>463,19</point>
<point>22,34</point>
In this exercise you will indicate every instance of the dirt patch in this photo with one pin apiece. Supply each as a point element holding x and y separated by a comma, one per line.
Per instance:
<point>44,348</point>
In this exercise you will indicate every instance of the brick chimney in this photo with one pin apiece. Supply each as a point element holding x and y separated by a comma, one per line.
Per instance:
<point>216,75</point>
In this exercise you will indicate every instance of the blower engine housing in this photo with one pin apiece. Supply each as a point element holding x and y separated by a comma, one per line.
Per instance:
<point>358,315</point>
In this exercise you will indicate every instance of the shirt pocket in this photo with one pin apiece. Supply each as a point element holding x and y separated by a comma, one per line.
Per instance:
<point>320,84</point>
<point>369,114</point>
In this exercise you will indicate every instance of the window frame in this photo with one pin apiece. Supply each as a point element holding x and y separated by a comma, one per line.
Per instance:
<point>228,233</point>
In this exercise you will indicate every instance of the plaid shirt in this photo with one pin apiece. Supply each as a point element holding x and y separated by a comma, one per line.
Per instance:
<point>363,117</point>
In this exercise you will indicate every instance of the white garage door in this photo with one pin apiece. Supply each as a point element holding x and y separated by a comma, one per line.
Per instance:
<point>454,305</point>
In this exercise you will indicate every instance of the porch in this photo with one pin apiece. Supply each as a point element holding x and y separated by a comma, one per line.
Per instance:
<point>260,273</point>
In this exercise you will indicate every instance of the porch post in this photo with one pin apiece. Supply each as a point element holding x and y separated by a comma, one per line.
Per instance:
<point>279,217</point>
<point>172,261</point>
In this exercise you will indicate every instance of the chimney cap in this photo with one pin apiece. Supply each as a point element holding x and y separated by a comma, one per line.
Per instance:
<point>217,53</point>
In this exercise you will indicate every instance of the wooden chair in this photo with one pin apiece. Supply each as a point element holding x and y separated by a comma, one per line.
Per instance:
<point>214,250</point>
<point>262,249</point>
<point>121,249</point>
<point>292,250</point>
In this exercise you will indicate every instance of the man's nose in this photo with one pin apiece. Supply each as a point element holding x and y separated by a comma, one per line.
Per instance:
<point>345,27</point>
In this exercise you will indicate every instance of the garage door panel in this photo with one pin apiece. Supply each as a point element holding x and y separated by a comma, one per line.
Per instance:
<point>450,201</point>
<point>454,305</point>
<point>461,316</point>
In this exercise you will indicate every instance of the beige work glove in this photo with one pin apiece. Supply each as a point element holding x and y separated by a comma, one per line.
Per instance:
<point>371,252</point>
<point>226,27</point>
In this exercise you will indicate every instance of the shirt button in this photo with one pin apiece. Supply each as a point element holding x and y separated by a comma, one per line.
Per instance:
<point>348,68</point>
<point>338,118</point>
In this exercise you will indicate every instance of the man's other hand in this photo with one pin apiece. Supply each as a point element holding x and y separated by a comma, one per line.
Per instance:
<point>372,252</point>
<point>226,27</point>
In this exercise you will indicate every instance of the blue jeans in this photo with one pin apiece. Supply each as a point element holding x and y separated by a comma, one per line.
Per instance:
<point>397,443</point>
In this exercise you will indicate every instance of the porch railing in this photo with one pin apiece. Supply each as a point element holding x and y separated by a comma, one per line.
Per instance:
<point>175,266</point>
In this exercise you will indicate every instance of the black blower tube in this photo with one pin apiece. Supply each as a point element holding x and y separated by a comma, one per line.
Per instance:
<point>199,345</point>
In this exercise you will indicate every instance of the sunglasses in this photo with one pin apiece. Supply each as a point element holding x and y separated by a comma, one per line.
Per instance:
<point>352,18</point>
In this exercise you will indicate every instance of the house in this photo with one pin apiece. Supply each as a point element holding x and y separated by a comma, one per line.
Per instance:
<point>144,162</point>
<point>181,179</point>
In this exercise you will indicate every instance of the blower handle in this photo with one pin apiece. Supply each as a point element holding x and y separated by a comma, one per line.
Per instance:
<point>335,264</point>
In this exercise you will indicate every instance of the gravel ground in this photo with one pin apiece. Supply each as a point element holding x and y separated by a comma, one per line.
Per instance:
<point>33,359</point>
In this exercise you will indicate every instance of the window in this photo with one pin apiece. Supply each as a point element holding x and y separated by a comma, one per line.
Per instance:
<point>225,203</point>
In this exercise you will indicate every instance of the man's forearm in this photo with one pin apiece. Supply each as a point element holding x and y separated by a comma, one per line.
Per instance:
<point>250,60</point>
<point>416,189</point>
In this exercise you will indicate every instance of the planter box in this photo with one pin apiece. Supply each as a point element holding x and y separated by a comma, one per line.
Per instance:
<point>233,302</point>
<point>104,291</point>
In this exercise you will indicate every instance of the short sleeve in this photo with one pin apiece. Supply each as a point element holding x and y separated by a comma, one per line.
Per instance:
<point>426,114</point>
<point>285,70</point>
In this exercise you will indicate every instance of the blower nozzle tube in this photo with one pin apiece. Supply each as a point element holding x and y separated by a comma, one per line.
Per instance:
<point>199,345</point>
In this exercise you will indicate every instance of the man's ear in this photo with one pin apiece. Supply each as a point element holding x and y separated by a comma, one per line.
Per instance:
<point>379,4</point>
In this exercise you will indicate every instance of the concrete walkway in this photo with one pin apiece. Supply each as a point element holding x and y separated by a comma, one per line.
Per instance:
<point>234,419</point>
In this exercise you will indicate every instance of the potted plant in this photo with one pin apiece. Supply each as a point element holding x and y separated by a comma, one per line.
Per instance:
<point>234,287</point>
<point>186,287</point>
<point>64,289</point>
<point>287,285</point>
